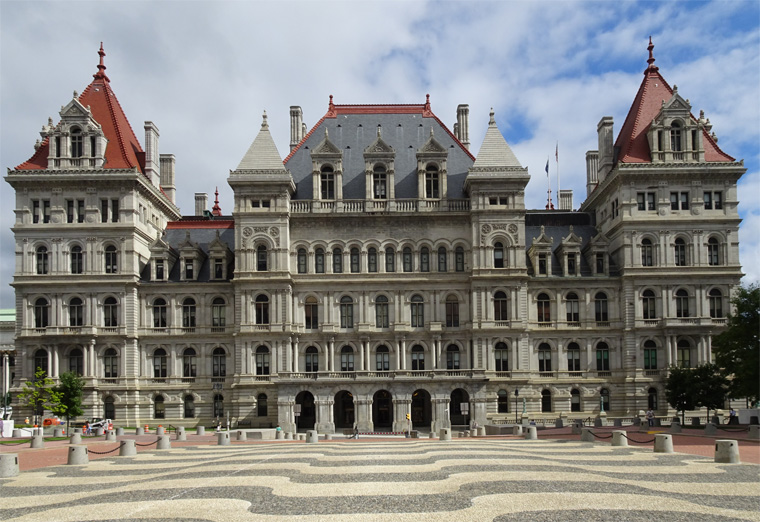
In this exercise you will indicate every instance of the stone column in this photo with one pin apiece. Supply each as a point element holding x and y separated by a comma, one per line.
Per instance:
<point>440,413</point>
<point>324,422</point>
<point>363,409</point>
<point>400,408</point>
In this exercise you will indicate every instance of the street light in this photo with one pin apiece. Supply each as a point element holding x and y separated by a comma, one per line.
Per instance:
<point>517,393</point>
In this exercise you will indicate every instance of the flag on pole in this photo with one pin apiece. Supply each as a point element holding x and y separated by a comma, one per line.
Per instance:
<point>556,153</point>
<point>547,167</point>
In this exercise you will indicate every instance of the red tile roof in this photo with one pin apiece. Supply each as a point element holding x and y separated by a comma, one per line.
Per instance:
<point>632,142</point>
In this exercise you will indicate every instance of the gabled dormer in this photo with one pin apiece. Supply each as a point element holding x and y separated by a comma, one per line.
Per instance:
<point>597,254</point>
<point>540,254</point>
<point>327,170</point>
<point>77,142</point>
<point>379,170</point>
<point>569,254</point>
<point>191,258</point>
<point>674,135</point>
<point>220,257</point>
<point>431,169</point>
<point>162,259</point>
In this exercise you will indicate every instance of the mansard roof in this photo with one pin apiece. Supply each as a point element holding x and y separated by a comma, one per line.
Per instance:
<point>123,150</point>
<point>405,128</point>
<point>263,153</point>
<point>495,152</point>
<point>632,143</point>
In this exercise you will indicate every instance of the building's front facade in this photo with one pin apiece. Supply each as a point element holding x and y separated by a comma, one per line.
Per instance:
<point>380,270</point>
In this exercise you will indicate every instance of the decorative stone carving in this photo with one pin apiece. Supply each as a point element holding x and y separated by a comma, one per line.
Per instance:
<point>247,232</point>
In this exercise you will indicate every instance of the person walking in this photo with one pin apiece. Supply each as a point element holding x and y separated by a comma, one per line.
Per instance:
<point>650,417</point>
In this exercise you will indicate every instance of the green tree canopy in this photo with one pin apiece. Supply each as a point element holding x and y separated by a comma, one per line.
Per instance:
<point>39,393</point>
<point>737,349</point>
<point>679,390</point>
<point>709,387</point>
<point>70,389</point>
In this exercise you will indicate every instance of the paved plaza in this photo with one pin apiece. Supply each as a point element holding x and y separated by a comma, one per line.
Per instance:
<point>501,479</point>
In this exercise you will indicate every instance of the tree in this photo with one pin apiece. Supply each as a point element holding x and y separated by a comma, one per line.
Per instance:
<point>737,349</point>
<point>709,387</point>
<point>71,390</point>
<point>679,390</point>
<point>39,393</point>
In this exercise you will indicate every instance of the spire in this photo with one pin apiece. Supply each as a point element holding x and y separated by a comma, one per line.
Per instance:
<point>216,210</point>
<point>491,120</point>
<point>101,74</point>
<point>264,123</point>
<point>652,67</point>
<point>427,102</point>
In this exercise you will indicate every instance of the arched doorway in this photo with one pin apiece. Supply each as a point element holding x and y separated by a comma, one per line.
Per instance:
<point>382,409</point>
<point>307,418</point>
<point>343,410</point>
<point>459,407</point>
<point>421,409</point>
<point>652,399</point>
<point>546,401</point>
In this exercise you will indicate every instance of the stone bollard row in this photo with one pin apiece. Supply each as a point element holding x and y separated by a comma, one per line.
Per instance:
<point>279,435</point>
<point>675,427</point>
<point>444,434</point>
<point>618,423</point>
<point>711,429</point>
<point>139,431</point>
<point>242,435</point>
<point>119,432</point>
<point>431,435</point>
<point>223,438</point>
<point>517,430</point>
<point>164,442</point>
<point>76,430</point>
<point>663,443</point>
<point>587,435</point>
<point>75,439</point>
<point>302,436</point>
<point>127,448</point>
<point>481,431</point>
<point>200,430</point>
<point>312,437</point>
<point>531,433</point>
<point>110,435</point>
<point>57,432</point>
<point>619,438</point>
<point>328,436</point>
<point>37,442</point>
<point>98,432</point>
<point>8,465</point>
<point>727,452</point>
<point>754,432</point>
<point>78,455</point>
<point>180,433</point>
<point>288,435</point>
<point>160,431</point>
<point>577,427</point>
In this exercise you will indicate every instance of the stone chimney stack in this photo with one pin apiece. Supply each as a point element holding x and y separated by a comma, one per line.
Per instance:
<point>152,166</point>
<point>462,126</point>
<point>592,171</point>
<point>566,199</point>
<point>201,203</point>
<point>167,176</point>
<point>296,126</point>
<point>606,152</point>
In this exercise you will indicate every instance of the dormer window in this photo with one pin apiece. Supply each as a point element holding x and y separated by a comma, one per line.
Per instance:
<point>432,182</point>
<point>77,143</point>
<point>571,265</point>
<point>189,272</point>
<point>218,268</point>
<point>160,270</point>
<point>327,183</point>
<point>675,137</point>
<point>379,182</point>
<point>542,264</point>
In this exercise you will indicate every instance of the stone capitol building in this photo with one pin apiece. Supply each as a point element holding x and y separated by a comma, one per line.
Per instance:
<point>379,270</point>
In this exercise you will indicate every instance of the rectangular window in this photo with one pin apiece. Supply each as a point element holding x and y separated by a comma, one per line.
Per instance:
<point>115,210</point>
<point>713,200</point>
<point>46,211</point>
<point>381,315</point>
<point>650,358</point>
<point>615,208</point>
<point>645,201</point>
<point>679,201</point>
<point>80,211</point>
<point>459,259</point>
<point>599,263</point>
<point>218,268</point>
<point>35,211</point>
<point>390,260</point>
<point>189,269</point>
<point>571,270</point>
<point>104,211</point>
<point>542,264</point>
<point>159,269</point>
<point>69,211</point>
<point>573,360</point>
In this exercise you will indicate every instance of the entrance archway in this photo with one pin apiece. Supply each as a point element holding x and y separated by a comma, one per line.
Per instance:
<point>421,409</point>
<point>456,414</point>
<point>307,418</point>
<point>343,410</point>
<point>382,409</point>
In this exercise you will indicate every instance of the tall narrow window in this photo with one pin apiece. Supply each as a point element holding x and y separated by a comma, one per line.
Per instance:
<point>573,357</point>
<point>355,261</point>
<point>647,252</point>
<point>189,269</point>
<point>600,263</point>
<point>498,255</point>
<point>543,264</point>
<point>159,363</point>
<point>41,311</point>
<point>715,298</point>
<point>459,259</point>
<point>159,408</point>
<point>683,349</point>
<point>442,255</point>
<point>76,312</point>
<point>682,303</point>
<point>600,307</point>
<point>110,312</point>
<point>319,261</point>
<point>390,260</point>
<point>675,137</point>
<point>115,210</point>
<point>407,258</point>
<point>77,144</point>
<point>381,312</point>
<point>219,362</point>
<point>382,359</point>
<point>650,355</point>
<point>543,308</point>
<point>501,355</point>
<point>312,359</point>
<point>346,312</point>
<point>262,360</point>
<point>80,211</point>
<point>418,311</point>
<point>218,313</point>
<point>189,369</point>
<point>261,258</point>
<point>262,309</point>
<point>301,260</point>
<point>218,405</point>
<point>311,313</point>
<point>453,358</point>
<point>77,261</point>
<point>327,183</point>
<point>544,358</point>
<point>648,304</point>
<point>41,360</point>
<point>76,361</point>
<point>218,268</point>
<point>713,252</point>
<point>546,401</point>
<point>575,400</point>
<point>572,305</point>
<point>502,401</point>
<point>110,364</point>
<point>572,269</point>
<point>372,260</point>
<point>159,313</point>
<point>160,274</point>
<point>452,311</point>
<point>46,211</point>
<point>69,211</point>
<point>652,399</point>
<point>604,395</point>
<point>432,182</point>
<point>262,407</point>
<point>337,260</point>
<point>188,313</point>
<point>379,182</point>
<point>500,311</point>
<point>346,359</point>
<point>111,260</point>
<point>42,260</point>
<point>602,357</point>
<point>680,252</point>
<point>189,407</point>
<point>418,358</point>
<point>424,259</point>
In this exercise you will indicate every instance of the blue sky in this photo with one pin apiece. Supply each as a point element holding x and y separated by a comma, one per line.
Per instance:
<point>203,72</point>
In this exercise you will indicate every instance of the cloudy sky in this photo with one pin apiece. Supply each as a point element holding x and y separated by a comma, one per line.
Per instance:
<point>204,71</point>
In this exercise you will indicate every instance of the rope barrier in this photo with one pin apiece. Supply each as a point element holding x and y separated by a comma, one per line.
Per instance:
<point>600,437</point>
<point>734,429</point>
<point>638,441</point>
<point>27,441</point>
<point>148,444</point>
<point>105,452</point>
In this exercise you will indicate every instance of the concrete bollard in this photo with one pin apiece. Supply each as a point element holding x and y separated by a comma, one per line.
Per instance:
<point>599,422</point>
<point>312,437</point>
<point>57,432</point>
<point>241,435</point>
<point>711,429</point>
<point>577,427</point>
<point>559,423</point>
<point>180,433</point>
<point>587,435</point>
<point>517,430</point>
<point>160,431</point>
<point>618,438</point>
<point>37,442</point>
<point>466,433</point>
<point>531,433</point>
<point>279,435</point>
<point>715,419</point>
<point>302,436</point>
<point>127,448</point>
<point>75,439</point>
<point>119,432</point>
<point>8,465</point>
<point>754,432</point>
<point>16,433</point>
<point>460,434</point>
<point>110,435</point>
<point>695,421</point>
<point>288,435</point>
<point>618,423</point>
<point>328,436</point>
<point>675,427</point>
<point>139,431</point>
<point>663,443</point>
<point>76,430</point>
<point>223,438</point>
<point>98,432</point>
<point>164,442</point>
<point>481,431</point>
<point>444,434</point>
<point>727,452</point>
<point>431,435</point>
<point>78,455</point>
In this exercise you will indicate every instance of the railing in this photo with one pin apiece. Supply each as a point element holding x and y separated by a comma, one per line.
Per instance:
<point>678,156</point>
<point>218,329</point>
<point>652,373</point>
<point>603,373</point>
<point>602,324</point>
<point>188,329</point>
<point>393,205</point>
<point>188,380</point>
<point>502,324</point>
<point>719,320</point>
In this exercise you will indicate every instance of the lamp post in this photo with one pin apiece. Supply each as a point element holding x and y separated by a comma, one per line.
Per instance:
<point>4,379</point>
<point>517,394</point>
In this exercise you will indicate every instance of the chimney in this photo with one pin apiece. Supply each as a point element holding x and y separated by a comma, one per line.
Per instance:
<point>566,199</point>
<point>167,176</point>
<point>152,167</point>
<point>462,127</point>
<point>201,203</point>
<point>592,171</point>
<point>296,126</point>
<point>604,131</point>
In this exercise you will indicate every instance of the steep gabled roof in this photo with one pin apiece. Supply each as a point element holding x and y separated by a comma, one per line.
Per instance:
<point>263,153</point>
<point>632,143</point>
<point>123,150</point>
<point>495,152</point>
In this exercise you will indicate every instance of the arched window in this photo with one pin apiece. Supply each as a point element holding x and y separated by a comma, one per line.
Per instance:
<point>346,312</point>
<point>337,260</point>
<point>372,260</point>
<point>683,350</point>
<point>418,358</point>
<point>355,261</point>
<point>110,364</point>
<point>261,405</point>
<point>41,312</point>
<point>543,307</point>
<point>713,252</point>
<point>302,261</point>
<point>459,259</point>
<point>498,255</point>
<point>573,357</point>
<point>159,313</point>
<point>390,260</point>
<point>110,312</point>
<point>501,354</point>
<point>262,309</point>
<point>76,312</point>
<point>311,313</point>
<point>442,255</point>
<point>77,260</point>
<point>544,358</point>
<point>189,403</point>
<point>418,311</point>
<point>41,361</point>
<point>188,313</point>
<point>262,360</point>
<point>381,312</point>
<point>452,357</point>
<point>327,182</point>
<point>604,393</point>
<point>76,361</point>
<point>219,362</point>
<point>650,355</point>
<point>600,307</point>
<point>652,399</point>
<point>452,311</point>
<point>77,142</point>
<point>546,401</point>
<point>647,252</point>
<point>188,363</point>
<point>261,258</point>
<point>432,181</point>
<point>159,409</point>
<point>319,261</point>
<point>648,303</point>
<point>347,359</point>
<point>109,408</point>
<point>42,260</point>
<point>218,313</point>
<point>675,137</point>
<point>379,182</point>
<point>602,357</point>
<point>159,363</point>
<point>312,359</point>
<point>407,259</point>
<point>575,400</point>
<point>715,298</point>
<point>424,259</point>
<point>500,310</point>
<point>679,252</point>
<point>502,401</point>
<point>573,308</point>
<point>682,303</point>
<point>219,405</point>
<point>382,359</point>
<point>111,260</point>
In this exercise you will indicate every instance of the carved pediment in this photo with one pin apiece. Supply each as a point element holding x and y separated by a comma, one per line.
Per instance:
<point>379,147</point>
<point>325,147</point>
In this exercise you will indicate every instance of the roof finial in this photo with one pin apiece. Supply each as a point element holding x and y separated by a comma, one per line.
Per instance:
<point>331,102</point>
<point>492,120</point>
<point>650,61</point>
<point>101,66</point>
<point>264,123</point>
<point>216,210</point>
<point>379,130</point>
<point>427,102</point>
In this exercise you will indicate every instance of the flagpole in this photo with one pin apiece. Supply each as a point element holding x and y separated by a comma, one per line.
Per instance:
<point>549,205</point>
<point>556,159</point>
